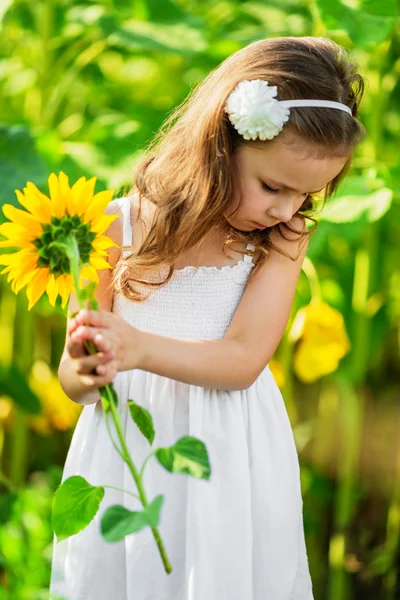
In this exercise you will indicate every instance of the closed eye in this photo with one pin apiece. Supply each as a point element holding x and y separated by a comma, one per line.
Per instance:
<point>268,188</point>
<point>272,190</point>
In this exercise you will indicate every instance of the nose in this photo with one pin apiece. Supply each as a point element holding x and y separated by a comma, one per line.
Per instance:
<point>282,210</point>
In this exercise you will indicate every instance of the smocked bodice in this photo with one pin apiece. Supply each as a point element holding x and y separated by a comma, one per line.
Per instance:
<point>196,303</point>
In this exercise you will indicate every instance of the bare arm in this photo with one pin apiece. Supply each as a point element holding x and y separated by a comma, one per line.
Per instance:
<point>251,339</point>
<point>220,364</point>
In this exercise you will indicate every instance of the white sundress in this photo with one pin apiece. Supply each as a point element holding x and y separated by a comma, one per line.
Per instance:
<point>237,536</point>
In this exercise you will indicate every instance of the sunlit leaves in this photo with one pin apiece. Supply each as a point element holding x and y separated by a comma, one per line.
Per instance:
<point>189,455</point>
<point>13,383</point>
<point>117,521</point>
<point>369,23</point>
<point>358,202</point>
<point>143,420</point>
<point>76,503</point>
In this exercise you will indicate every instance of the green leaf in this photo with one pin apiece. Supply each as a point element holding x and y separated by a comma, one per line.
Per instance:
<point>114,397</point>
<point>118,522</point>
<point>143,420</point>
<point>76,503</point>
<point>370,206</point>
<point>13,383</point>
<point>368,24</point>
<point>188,455</point>
<point>180,38</point>
<point>7,501</point>
<point>19,162</point>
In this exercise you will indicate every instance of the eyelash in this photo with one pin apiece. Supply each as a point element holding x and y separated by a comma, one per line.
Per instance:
<point>273,191</point>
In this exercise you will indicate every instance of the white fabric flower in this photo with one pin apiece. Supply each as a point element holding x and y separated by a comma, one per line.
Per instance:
<point>254,111</point>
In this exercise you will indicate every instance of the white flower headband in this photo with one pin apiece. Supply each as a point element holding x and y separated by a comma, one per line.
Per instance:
<point>255,112</point>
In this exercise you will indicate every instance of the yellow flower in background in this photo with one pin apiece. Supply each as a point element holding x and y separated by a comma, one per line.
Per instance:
<point>323,340</point>
<point>6,406</point>
<point>58,411</point>
<point>48,226</point>
<point>277,371</point>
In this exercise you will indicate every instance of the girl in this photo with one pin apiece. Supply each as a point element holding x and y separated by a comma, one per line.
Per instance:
<point>191,315</point>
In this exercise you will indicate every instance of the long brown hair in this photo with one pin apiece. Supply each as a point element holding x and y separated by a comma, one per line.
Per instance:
<point>186,172</point>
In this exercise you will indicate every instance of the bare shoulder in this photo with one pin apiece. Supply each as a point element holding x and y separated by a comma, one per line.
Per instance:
<point>290,242</point>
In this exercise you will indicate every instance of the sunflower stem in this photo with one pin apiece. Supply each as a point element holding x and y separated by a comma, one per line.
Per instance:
<point>107,397</point>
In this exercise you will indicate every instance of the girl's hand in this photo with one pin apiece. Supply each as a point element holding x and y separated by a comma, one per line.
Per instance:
<point>95,370</point>
<point>112,332</point>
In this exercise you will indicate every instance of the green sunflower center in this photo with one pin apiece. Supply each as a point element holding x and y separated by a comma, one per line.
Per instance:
<point>49,244</point>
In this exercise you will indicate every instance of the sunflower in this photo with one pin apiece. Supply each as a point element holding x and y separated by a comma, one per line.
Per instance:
<point>50,233</point>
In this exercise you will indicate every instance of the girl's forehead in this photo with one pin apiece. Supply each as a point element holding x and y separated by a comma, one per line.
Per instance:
<point>290,166</point>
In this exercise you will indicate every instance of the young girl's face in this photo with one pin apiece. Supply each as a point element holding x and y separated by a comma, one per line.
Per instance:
<point>272,181</point>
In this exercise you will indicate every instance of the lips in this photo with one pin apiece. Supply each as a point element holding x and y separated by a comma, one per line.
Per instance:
<point>259,225</point>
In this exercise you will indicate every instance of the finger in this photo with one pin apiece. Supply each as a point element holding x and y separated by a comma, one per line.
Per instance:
<point>75,346</point>
<point>96,381</point>
<point>87,364</point>
<point>96,318</point>
<point>91,333</point>
<point>72,325</point>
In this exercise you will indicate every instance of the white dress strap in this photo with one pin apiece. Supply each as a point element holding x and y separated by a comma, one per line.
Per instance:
<point>248,258</point>
<point>125,206</point>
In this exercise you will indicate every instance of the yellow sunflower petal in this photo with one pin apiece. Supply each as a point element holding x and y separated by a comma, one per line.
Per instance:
<point>102,242</point>
<point>36,202</point>
<point>102,222</point>
<point>68,283</point>
<point>88,272</point>
<point>98,205</point>
<point>37,286</point>
<point>52,290</point>
<point>15,243</point>
<point>23,219</point>
<point>16,233</point>
<point>58,193</point>
<point>61,282</point>
<point>99,263</point>
<point>8,259</point>
<point>22,264</point>
<point>22,281</point>
<point>75,195</point>
<point>87,195</point>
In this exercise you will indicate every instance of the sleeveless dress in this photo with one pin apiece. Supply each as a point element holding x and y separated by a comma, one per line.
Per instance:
<point>237,536</point>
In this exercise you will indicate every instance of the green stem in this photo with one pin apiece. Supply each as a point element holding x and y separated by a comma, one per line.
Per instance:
<point>22,357</point>
<point>110,434</point>
<point>144,463</point>
<point>7,483</point>
<point>106,394</point>
<point>113,487</point>
<point>138,480</point>
<point>312,278</point>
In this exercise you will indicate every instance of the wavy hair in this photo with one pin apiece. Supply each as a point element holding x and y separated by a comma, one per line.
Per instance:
<point>187,170</point>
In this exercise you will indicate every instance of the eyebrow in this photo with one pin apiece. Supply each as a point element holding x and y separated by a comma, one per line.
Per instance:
<point>291,189</point>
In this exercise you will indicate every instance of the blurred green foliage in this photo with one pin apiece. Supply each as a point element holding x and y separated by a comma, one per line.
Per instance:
<point>84,85</point>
